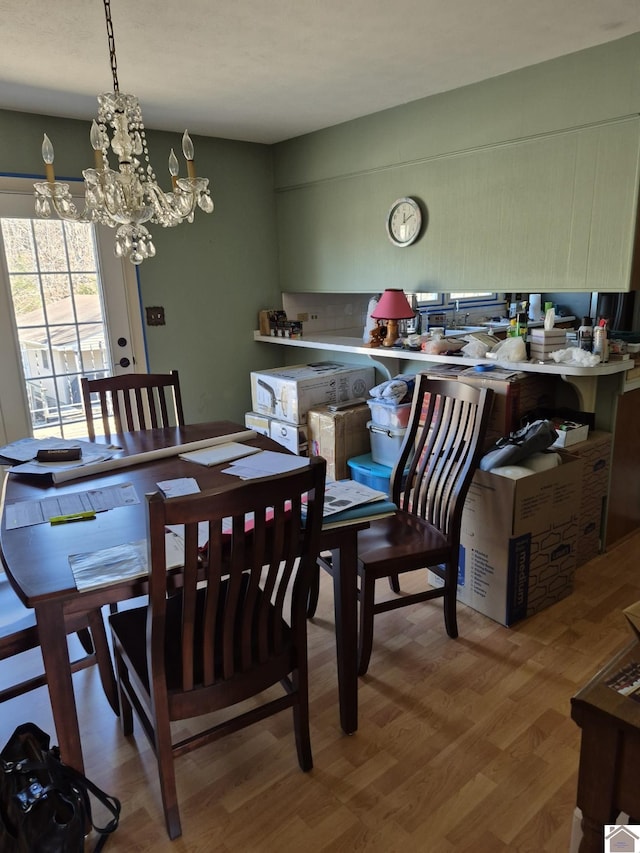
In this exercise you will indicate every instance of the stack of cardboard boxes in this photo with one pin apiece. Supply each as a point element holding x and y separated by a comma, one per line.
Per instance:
<point>303,408</point>
<point>522,540</point>
<point>545,341</point>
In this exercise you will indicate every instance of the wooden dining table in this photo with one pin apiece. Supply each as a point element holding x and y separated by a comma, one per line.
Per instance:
<point>36,560</point>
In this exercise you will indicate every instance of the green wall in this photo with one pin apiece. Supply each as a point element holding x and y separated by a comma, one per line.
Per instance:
<point>529,180</point>
<point>212,277</point>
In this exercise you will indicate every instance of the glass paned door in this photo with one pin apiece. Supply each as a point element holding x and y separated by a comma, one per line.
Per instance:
<point>59,318</point>
<point>68,308</point>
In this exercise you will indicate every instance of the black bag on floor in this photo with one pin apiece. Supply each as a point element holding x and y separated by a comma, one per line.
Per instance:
<point>45,805</point>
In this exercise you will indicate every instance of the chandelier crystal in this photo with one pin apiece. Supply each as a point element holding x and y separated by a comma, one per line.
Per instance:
<point>129,197</point>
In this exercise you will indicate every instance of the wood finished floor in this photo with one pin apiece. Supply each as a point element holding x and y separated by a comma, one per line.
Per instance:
<point>463,745</point>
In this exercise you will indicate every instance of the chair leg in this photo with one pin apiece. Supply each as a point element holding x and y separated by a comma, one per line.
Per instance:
<point>301,720</point>
<point>314,593</point>
<point>126,712</point>
<point>85,640</point>
<point>167,773</point>
<point>103,659</point>
<point>366,597</point>
<point>450,601</point>
<point>394,583</point>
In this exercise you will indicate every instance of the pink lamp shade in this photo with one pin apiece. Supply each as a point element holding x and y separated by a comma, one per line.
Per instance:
<point>393,305</point>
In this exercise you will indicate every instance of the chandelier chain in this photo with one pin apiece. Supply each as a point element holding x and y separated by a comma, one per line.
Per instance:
<point>112,45</point>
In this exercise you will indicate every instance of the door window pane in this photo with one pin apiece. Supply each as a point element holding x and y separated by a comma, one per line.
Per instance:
<point>57,304</point>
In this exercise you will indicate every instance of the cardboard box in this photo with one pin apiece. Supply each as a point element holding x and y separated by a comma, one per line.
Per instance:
<point>556,337</point>
<point>291,436</point>
<point>569,433</point>
<point>632,614</point>
<point>287,393</point>
<point>338,436</point>
<point>518,541</point>
<point>542,353</point>
<point>260,423</point>
<point>515,395</point>
<point>595,453</point>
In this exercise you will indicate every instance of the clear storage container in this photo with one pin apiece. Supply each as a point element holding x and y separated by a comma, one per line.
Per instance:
<point>387,414</point>
<point>385,443</point>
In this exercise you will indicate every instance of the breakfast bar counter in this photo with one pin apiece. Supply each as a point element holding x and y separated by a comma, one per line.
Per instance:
<point>596,387</point>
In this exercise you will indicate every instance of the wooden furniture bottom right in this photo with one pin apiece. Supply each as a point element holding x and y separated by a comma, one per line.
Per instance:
<point>610,746</point>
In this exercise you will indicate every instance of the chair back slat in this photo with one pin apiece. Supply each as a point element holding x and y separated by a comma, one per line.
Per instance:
<point>440,450</point>
<point>133,401</point>
<point>243,597</point>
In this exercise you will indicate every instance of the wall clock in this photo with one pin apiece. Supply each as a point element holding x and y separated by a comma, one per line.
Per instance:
<point>404,221</point>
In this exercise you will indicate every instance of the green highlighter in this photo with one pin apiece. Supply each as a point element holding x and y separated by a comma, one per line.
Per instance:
<point>75,516</point>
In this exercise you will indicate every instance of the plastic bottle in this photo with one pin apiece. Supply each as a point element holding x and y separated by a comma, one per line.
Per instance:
<point>585,334</point>
<point>601,341</point>
<point>522,324</point>
<point>512,331</point>
<point>370,323</point>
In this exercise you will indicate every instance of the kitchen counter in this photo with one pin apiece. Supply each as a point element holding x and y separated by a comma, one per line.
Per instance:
<point>347,343</point>
<point>583,379</point>
<point>603,390</point>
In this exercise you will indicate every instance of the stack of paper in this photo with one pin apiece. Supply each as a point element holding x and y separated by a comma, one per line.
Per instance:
<point>346,501</point>
<point>267,463</point>
<point>219,453</point>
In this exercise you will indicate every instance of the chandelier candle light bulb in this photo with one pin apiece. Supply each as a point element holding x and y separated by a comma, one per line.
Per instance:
<point>173,168</point>
<point>47,156</point>
<point>187,150</point>
<point>96,143</point>
<point>129,197</point>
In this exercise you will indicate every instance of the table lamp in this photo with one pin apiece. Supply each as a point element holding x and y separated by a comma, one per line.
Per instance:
<point>392,306</point>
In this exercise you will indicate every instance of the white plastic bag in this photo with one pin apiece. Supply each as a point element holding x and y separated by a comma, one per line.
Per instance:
<point>510,349</point>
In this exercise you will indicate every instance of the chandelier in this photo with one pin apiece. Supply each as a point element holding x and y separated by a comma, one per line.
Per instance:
<point>127,198</point>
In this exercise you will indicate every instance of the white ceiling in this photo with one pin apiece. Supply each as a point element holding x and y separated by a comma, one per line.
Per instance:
<point>268,70</point>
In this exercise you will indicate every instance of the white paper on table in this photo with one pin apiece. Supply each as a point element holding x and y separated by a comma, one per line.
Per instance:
<point>91,453</point>
<point>25,449</point>
<point>220,453</point>
<point>265,464</point>
<point>178,486</point>
<point>344,494</point>
<point>26,513</point>
<point>178,532</point>
<point>94,569</point>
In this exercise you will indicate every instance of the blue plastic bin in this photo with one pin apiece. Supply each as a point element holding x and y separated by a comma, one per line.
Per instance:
<point>364,470</point>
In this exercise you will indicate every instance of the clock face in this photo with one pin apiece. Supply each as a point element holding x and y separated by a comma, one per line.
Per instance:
<point>404,222</point>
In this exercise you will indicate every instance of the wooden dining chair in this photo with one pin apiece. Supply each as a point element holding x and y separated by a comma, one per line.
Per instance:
<point>19,633</point>
<point>235,626</point>
<point>439,454</point>
<point>133,401</point>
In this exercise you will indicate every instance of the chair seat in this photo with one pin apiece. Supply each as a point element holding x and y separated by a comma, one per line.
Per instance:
<point>20,634</point>
<point>130,628</point>
<point>401,542</point>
